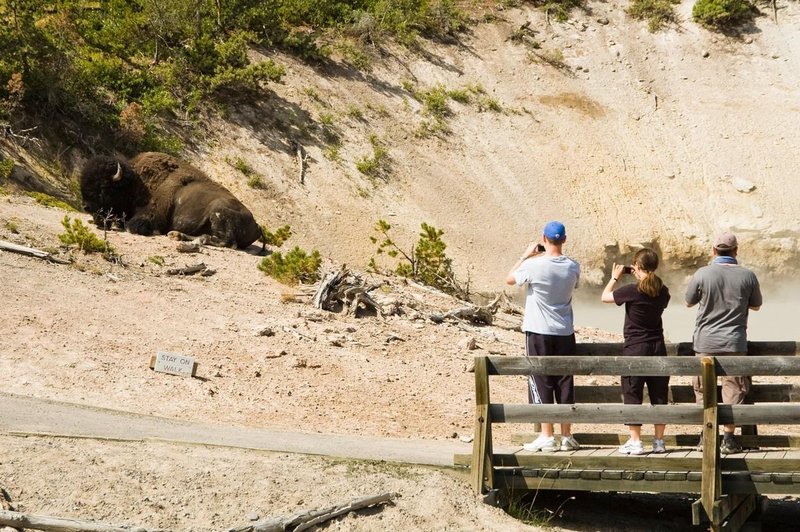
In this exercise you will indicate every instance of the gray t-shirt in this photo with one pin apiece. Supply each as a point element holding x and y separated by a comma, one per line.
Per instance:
<point>551,281</point>
<point>725,293</point>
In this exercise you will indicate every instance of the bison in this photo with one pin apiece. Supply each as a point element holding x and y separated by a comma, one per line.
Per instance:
<point>158,193</point>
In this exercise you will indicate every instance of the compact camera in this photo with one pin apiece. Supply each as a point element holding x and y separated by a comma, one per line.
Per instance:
<point>539,248</point>
<point>627,269</point>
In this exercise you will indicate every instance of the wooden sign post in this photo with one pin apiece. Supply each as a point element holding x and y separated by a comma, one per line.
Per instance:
<point>174,364</point>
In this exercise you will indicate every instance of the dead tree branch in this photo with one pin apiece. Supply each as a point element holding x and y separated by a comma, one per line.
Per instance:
<point>59,524</point>
<point>31,252</point>
<point>308,519</point>
<point>302,157</point>
<point>19,138</point>
<point>347,290</point>
<point>200,268</point>
<point>479,315</point>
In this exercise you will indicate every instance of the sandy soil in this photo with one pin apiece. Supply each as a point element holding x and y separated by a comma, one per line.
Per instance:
<point>84,333</point>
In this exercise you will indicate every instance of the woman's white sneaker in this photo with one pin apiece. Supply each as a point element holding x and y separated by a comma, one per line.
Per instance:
<point>568,443</point>
<point>659,447</point>
<point>632,447</point>
<point>545,444</point>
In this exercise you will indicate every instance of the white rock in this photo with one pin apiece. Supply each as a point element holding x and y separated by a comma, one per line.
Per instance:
<point>743,185</point>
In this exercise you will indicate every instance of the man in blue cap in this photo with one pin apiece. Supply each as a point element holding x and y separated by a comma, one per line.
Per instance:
<point>551,278</point>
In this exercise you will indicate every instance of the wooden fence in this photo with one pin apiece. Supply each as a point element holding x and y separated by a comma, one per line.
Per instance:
<point>730,487</point>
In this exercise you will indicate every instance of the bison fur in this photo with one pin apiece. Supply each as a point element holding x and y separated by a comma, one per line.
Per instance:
<point>158,193</point>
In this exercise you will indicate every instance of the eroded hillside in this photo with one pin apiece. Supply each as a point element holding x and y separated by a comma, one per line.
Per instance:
<point>629,137</point>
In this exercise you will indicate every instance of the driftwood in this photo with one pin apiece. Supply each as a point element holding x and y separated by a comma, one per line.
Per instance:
<point>480,315</point>
<point>5,505</point>
<point>311,518</point>
<point>59,524</point>
<point>7,132</point>
<point>322,297</point>
<point>302,157</point>
<point>349,291</point>
<point>191,270</point>
<point>31,252</point>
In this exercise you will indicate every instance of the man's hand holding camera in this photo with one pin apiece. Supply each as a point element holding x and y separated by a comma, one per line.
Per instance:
<point>532,250</point>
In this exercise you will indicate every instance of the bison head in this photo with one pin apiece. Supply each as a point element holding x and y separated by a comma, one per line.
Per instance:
<point>111,190</point>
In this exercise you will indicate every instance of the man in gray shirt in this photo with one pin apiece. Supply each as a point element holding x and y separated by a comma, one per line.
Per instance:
<point>726,292</point>
<point>550,277</point>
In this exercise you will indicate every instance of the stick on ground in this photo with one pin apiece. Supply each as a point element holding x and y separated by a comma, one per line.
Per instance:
<point>31,252</point>
<point>59,524</point>
<point>310,518</point>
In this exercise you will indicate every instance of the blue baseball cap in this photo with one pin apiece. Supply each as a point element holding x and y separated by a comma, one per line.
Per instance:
<point>555,231</point>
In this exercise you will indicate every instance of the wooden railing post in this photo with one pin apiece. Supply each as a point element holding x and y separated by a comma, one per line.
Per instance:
<point>711,483</point>
<point>482,466</point>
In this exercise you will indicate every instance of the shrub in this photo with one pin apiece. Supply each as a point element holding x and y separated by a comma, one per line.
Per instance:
<point>657,13</point>
<point>6,166</point>
<point>49,201</point>
<point>158,260</point>
<point>253,178</point>
<point>12,226</point>
<point>720,14</point>
<point>77,234</point>
<point>560,9</point>
<point>281,235</point>
<point>297,266</point>
<point>426,262</point>
<point>378,165</point>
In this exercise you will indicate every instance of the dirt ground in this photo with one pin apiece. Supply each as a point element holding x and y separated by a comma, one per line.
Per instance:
<point>84,333</point>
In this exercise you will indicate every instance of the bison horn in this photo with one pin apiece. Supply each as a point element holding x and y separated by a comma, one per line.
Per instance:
<point>118,175</point>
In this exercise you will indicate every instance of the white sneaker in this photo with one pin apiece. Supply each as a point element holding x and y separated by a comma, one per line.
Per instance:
<point>542,443</point>
<point>658,446</point>
<point>568,443</point>
<point>632,447</point>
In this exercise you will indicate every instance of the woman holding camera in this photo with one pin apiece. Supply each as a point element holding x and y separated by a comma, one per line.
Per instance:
<point>644,302</point>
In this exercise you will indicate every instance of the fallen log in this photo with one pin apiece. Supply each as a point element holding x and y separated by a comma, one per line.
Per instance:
<point>305,520</point>
<point>345,289</point>
<point>31,252</point>
<point>5,504</point>
<point>483,315</point>
<point>59,524</point>
<point>322,298</point>
<point>187,270</point>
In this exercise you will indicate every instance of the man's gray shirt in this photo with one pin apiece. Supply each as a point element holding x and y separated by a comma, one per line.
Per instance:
<point>725,293</point>
<point>551,281</point>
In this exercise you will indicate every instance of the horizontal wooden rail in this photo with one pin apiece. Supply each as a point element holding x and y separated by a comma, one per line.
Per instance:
<point>681,393</point>
<point>690,460</point>
<point>629,365</point>
<point>762,414</point>
<point>687,349</point>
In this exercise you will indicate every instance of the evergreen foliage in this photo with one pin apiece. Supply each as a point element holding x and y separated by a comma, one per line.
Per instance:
<point>426,262</point>
<point>129,66</point>
<point>49,201</point>
<point>721,14</point>
<point>297,266</point>
<point>657,13</point>
<point>6,166</point>
<point>281,235</point>
<point>77,234</point>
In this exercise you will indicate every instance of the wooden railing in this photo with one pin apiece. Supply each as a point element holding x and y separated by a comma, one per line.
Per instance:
<point>728,486</point>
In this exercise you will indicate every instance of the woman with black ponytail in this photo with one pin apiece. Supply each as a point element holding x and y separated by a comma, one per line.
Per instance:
<point>644,302</point>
